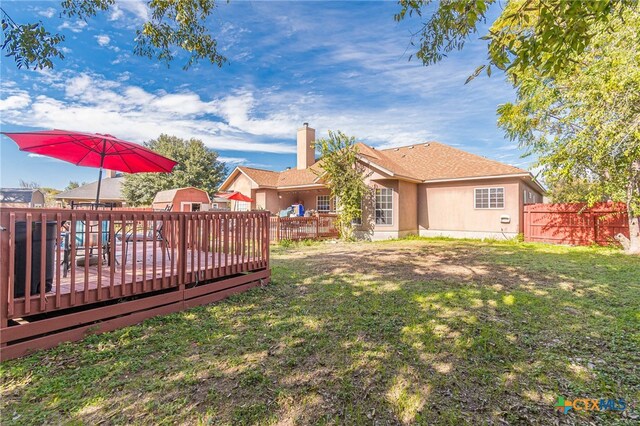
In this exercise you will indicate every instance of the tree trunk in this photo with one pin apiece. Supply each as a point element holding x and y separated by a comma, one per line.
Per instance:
<point>634,234</point>
<point>634,225</point>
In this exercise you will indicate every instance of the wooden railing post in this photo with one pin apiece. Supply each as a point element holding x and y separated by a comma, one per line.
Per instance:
<point>182,252</point>
<point>5,270</point>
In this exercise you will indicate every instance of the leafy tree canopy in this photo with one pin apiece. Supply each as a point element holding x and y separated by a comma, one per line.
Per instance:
<point>197,166</point>
<point>344,176</point>
<point>547,35</point>
<point>72,185</point>
<point>174,25</point>
<point>583,122</point>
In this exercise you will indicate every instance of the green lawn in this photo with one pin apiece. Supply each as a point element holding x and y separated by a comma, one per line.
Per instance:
<point>414,331</point>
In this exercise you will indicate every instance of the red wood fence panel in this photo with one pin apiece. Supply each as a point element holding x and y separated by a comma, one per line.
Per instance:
<point>575,223</point>
<point>303,228</point>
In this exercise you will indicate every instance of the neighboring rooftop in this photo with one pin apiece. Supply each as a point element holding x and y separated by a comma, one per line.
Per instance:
<point>17,195</point>
<point>110,190</point>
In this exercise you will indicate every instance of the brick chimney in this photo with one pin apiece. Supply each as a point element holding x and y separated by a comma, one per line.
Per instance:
<point>110,173</point>
<point>306,151</point>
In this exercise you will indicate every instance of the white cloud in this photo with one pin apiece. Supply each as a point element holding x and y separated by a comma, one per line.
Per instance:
<point>76,27</point>
<point>103,39</point>
<point>233,160</point>
<point>136,7</point>
<point>47,13</point>
<point>94,104</point>
<point>116,13</point>
<point>17,101</point>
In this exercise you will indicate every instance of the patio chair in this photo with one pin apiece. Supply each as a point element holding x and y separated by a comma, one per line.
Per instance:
<point>157,233</point>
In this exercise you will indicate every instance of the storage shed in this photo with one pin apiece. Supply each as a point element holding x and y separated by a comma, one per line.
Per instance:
<point>21,197</point>
<point>182,200</point>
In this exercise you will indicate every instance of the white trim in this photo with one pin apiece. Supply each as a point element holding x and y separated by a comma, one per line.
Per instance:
<point>379,167</point>
<point>308,185</point>
<point>318,203</point>
<point>477,178</point>
<point>388,172</point>
<point>489,188</point>
<point>375,203</point>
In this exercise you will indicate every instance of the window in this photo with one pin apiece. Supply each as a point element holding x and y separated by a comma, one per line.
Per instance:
<point>242,206</point>
<point>489,198</point>
<point>384,206</point>
<point>323,204</point>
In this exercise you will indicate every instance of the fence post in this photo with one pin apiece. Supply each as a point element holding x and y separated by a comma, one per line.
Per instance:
<point>182,252</point>
<point>317,227</point>
<point>278,229</point>
<point>7,270</point>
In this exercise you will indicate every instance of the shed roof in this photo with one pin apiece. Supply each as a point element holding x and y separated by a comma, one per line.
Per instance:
<point>17,195</point>
<point>168,195</point>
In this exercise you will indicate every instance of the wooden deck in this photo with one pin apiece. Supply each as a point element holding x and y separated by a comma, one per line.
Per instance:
<point>162,276</point>
<point>201,257</point>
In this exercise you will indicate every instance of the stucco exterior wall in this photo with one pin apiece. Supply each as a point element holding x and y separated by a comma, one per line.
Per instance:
<point>408,205</point>
<point>267,199</point>
<point>450,207</point>
<point>245,186</point>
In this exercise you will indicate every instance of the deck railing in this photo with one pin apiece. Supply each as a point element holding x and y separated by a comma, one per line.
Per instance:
<point>84,257</point>
<point>303,228</point>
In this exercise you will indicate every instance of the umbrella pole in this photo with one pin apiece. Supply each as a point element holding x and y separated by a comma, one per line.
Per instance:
<point>104,147</point>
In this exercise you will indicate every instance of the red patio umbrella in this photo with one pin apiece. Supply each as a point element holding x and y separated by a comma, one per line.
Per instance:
<point>236,196</point>
<point>93,150</point>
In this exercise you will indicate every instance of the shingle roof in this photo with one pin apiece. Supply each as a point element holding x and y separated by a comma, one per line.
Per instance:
<point>110,190</point>
<point>434,160</point>
<point>16,195</point>
<point>260,176</point>
<point>420,162</point>
<point>292,177</point>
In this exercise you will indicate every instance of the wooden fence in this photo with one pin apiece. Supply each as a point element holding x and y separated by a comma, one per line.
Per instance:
<point>303,228</point>
<point>575,224</point>
<point>97,270</point>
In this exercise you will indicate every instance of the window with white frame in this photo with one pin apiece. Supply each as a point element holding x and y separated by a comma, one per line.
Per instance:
<point>489,198</point>
<point>323,203</point>
<point>384,206</point>
<point>242,206</point>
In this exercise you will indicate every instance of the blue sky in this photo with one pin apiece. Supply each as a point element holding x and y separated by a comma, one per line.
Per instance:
<point>337,65</point>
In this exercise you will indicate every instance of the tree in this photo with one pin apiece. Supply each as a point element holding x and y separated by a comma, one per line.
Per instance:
<point>174,25</point>
<point>546,35</point>
<point>344,176</point>
<point>583,122</point>
<point>197,166</point>
<point>28,184</point>
<point>72,185</point>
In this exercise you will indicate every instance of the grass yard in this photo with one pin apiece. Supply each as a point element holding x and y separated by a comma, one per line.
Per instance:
<point>399,332</point>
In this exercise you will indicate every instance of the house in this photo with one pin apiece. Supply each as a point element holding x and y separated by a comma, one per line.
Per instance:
<point>21,197</point>
<point>429,189</point>
<point>187,199</point>
<point>110,191</point>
